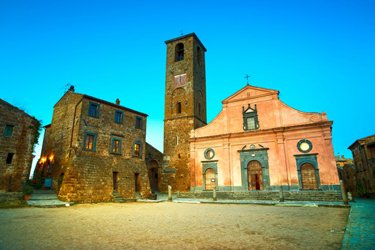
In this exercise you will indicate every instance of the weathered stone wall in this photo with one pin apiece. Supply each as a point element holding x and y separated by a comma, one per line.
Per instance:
<point>191,94</point>
<point>20,143</point>
<point>83,175</point>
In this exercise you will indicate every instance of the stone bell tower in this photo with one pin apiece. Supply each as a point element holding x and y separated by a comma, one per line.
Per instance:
<point>185,105</point>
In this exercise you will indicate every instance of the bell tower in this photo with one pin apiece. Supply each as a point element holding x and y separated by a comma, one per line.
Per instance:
<point>185,104</point>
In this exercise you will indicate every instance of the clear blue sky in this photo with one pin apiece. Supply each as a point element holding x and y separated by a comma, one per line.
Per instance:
<point>319,54</point>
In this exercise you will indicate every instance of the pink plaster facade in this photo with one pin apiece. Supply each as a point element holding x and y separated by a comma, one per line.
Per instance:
<point>280,129</point>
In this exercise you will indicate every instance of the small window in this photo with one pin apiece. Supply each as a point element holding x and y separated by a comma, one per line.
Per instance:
<point>138,122</point>
<point>179,53</point>
<point>179,108</point>
<point>250,118</point>
<point>9,158</point>
<point>137,149</point>
<point>119,116</point>
<point>90,142</point>
<point>250,123</point>
<point>116,146</point>
<point>8,131</point>
<point>94,109</point>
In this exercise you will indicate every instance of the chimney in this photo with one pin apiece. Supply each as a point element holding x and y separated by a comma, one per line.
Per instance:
<point>71,88</point>
<point>117,101</point>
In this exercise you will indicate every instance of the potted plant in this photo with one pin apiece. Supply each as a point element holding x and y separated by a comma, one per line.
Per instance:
<point>27,190</point>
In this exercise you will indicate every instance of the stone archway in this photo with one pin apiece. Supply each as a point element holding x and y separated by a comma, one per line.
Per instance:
<point>153,175</point>
<point>255,175</point>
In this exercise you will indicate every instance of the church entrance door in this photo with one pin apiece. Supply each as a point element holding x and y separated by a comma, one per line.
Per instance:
<point>308,177</point>
<point>255,176</point>
<point>210,179</point>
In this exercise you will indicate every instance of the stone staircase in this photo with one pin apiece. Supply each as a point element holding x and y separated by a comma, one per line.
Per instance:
<point>266,195</point>
<point>119,199</point>
<point>46,198</point>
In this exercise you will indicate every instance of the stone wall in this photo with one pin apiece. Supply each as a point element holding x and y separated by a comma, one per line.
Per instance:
<point>191,96</point>
<point>92,175</point>
<point>20,143</point>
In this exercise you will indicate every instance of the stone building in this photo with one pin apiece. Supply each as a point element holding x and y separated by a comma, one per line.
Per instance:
<point>185,106</point>
<point>346,171</point>
<point>94,150</point>
<point>19,133</point>
<point>363,151</point>
<point>256,143</point>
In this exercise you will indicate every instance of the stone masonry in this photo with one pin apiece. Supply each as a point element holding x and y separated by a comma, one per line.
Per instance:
<point>90,155</point>
<point>18,133</point>
<point>185,106</point>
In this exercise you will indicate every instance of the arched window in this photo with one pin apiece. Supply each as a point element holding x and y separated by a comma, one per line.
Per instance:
<point>179,52</point>
<point>179,108</point>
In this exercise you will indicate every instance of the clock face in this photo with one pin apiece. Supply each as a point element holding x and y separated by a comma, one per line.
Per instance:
<point>304,146</point>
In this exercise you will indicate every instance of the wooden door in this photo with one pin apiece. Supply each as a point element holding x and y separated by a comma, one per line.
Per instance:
<point>115,181</point>
<point>137,181</point>
<point>210,181</point>
<point>308,176</point>
<point>255,175</point>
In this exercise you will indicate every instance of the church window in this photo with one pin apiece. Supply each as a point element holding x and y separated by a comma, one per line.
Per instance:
<point>89,141</point>
<point>93,109</point>
<point>209,153</point>
<point>138,122</point>
<point>9,158</point>
<point>179,52</point>
<point>119,116</point>
<point>8,131</point>
<point>116,145</point>
<point>250,118</point>
<point>179,108</point>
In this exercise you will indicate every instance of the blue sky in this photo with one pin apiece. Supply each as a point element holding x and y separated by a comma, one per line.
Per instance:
<point>320,55</point>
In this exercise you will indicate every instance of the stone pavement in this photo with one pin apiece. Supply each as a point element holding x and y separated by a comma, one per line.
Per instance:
<point>164,197</point>
<point>360,229</point>
<point>45,198</point>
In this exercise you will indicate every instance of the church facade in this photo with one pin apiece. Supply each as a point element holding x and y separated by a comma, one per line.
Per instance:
<point>256,143</point>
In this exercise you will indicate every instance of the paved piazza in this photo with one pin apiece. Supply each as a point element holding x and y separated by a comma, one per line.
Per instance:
<point>169,225</point>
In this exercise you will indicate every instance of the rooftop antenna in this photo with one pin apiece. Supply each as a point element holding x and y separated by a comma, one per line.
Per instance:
<point>247,79</point>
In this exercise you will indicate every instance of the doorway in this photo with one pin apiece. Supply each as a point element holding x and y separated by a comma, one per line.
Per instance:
<point>210,179</point>
<point>115,181</point>
<point>137,181</point>
<point>255,175</point>
<point>308,177</point>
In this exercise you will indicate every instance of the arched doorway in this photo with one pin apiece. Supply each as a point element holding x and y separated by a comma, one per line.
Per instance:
<point>153,175</point>
<point>210,179</point>
<point>308,177</point>
<point>255,175</point>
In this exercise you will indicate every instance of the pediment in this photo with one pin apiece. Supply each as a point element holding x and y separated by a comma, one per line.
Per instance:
<point>249,92</point>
